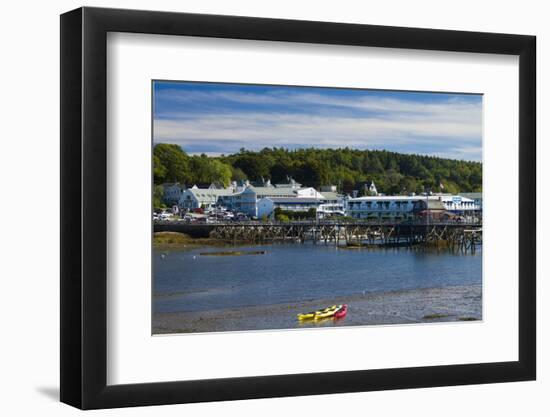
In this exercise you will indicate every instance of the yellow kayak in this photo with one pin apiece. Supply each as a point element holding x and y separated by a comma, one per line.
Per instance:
<point>306,316</point>
<point>327,312</point>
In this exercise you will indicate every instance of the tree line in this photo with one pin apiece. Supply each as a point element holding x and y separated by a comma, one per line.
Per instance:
<point>348,169</point>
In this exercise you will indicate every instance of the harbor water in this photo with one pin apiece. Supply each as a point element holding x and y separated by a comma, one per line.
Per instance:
<point>185,280</point>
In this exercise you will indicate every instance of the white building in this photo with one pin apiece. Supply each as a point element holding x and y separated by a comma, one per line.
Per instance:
<point>297,203</point>
<point>309,192</point>
<point>380,207</point>
<point>289,196</point>
<point>330,209</point>
<point>259,201</point>
<point>266,206</point>
<point>401,207</point>
<point>459,204</point>
<point>477,197</point>
<point>195,197</point>
<point>372,189</point>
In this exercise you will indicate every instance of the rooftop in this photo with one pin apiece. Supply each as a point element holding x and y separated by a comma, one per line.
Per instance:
<point>210,192</point>
<point>274,191</point>
<point>293,200</point>
<point>394,198</point>
<point>472,195</point>
<point>331,195</point>
<point>432,205</point>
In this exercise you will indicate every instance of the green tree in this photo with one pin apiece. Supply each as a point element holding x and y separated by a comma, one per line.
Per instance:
<point>158,194</point>
<point>159,170</point>
<point>170,163</point>
<point>393,173</point>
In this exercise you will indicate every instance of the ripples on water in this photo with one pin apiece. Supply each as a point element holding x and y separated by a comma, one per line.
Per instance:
<point>183,280</point>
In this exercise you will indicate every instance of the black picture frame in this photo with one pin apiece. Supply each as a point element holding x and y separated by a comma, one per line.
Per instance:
<point>84,207</point>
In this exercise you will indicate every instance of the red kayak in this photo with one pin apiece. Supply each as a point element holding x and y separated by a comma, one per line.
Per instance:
<point>342,312</point>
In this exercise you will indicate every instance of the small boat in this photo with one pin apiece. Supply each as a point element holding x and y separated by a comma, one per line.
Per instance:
<point>319,313</point>
<point>341,313</point>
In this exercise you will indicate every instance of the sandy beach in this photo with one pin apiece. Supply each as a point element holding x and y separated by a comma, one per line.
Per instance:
<point>459,303</point>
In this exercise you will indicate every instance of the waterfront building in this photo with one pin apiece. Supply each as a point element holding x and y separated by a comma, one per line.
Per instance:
<point>245,201</point>
<point>380,207</point>
<point>330,209</point>
<point>172,193</point>
<point>266,206</point>
<point>324,206</point>
<point>432,208</point>
<point>244,198</point>
<point>477,197</point>
<point>462,205</point>
<point>406,207</point>
<point>289,196</point>
<point>196,197</point>
<point>328,188</point>
<point>332,197</point>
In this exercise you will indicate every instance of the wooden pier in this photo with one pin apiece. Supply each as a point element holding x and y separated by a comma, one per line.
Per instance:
<point>455,236</point>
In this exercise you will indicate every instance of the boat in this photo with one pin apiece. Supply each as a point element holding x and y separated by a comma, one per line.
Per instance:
<point>306,316</point>
<point>341,313</point>
<point>326,312</point>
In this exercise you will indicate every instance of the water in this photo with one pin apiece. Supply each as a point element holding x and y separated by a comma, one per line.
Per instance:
<point>185,281</point>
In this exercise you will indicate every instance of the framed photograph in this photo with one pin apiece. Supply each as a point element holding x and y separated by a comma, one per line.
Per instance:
<point>256,208</point>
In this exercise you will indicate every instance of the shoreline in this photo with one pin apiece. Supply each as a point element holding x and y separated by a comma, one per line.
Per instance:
<point>428,305</point>
<point>181,241</point>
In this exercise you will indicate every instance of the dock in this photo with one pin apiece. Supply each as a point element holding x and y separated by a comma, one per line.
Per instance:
<point>455,236</point>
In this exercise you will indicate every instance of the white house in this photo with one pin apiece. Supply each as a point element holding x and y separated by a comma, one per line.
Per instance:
<point>195,197</point>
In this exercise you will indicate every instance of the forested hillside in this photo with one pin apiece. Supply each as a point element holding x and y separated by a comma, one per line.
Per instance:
<point>349,169</point>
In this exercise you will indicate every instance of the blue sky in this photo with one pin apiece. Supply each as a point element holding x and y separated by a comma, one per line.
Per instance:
<point>216,118</point>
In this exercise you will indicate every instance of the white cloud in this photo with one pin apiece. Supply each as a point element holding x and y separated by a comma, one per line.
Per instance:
<point>450,128</point>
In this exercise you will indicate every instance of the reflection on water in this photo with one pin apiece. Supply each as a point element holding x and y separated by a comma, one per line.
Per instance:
<point>183,280</point>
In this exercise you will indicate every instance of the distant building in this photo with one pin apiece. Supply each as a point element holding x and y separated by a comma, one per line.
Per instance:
<point>380,207</point>
<point>247,200</point>
<point>461,204</point>
<point>372,189</point>
<point>172,193</point>
<point>328,188</point>
<point>407,207</point>
<point>309,192</point>
<point>266,206</point>
<point>330,209</point>
<point>196,197</point>
<point>477,197</point>
<point>242,201</point>
<point>432,208</point>
<point>291,183</point>
<point>332,197</point>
